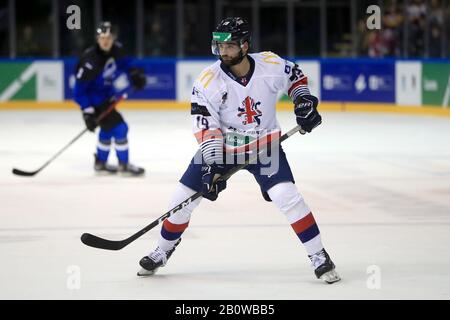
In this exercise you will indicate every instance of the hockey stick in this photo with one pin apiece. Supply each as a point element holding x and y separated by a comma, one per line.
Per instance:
<point>103,115</point>
<point>97,242</point>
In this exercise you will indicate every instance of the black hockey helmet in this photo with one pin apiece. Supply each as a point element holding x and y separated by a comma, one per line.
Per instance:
<point>232,29</point>
<point>105,28</point>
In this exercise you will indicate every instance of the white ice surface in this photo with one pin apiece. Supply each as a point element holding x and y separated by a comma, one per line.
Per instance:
<point>378,185</point>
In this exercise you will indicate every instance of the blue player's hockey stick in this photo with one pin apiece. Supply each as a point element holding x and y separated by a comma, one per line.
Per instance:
<point>103,115</point>
<point>97,242</point>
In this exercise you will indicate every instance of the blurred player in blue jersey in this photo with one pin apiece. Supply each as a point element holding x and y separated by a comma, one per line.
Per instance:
<point>96,71</point>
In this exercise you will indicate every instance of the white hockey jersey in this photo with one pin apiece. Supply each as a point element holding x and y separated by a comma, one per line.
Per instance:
<point>230,113</point>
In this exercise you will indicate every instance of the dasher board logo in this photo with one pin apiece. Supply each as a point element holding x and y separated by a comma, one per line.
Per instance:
<point>436,84</point>
<point>358,81</point>
<point>249,111</point>
<point>38,81</point>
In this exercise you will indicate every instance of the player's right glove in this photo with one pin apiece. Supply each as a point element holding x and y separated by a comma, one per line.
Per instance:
<point>90,119</point>
<point>306,111</point>
<point>210,173</point>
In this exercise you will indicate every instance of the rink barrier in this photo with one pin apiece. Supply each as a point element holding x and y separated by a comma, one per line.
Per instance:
<point>163,105</point>
<point>404,82</point>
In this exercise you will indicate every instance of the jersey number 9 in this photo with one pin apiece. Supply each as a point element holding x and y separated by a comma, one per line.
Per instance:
<point>202,123</point>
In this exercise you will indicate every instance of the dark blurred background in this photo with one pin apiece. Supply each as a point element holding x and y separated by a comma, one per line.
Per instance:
<point>182,28</point>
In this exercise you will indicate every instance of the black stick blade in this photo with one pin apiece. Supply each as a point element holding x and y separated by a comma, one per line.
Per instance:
<point>24,173</point>
<point>100,243</point>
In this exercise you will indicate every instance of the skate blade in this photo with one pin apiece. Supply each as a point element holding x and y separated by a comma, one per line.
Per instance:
<point>145,273</point>
<point>105,172</point>
<point>330,277</point>
<point>131,175</point>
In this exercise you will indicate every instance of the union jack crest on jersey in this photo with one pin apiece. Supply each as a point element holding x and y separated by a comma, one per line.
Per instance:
<point>250,111</point>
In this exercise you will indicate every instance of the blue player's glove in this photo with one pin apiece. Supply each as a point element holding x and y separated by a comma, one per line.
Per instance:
<point>138,78</point>
<point>90,119</point>
<point>210,173</point>
<point>306,111</point>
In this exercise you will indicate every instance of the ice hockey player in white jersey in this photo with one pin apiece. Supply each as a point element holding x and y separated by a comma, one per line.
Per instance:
<point>233,110</point>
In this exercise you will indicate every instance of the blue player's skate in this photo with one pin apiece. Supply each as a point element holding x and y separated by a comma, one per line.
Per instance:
<point>128,169</point>
<point>103,168</point>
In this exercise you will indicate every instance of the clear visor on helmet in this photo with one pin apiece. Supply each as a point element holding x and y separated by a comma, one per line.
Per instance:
<point>221,38</point>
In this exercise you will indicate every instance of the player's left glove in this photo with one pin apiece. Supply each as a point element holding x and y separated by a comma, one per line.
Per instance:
<point>138,78</point>
<point>306,111</point>
<point>210,173</point>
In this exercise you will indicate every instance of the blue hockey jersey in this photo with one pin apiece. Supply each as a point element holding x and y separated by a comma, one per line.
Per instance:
<point>96,72</point>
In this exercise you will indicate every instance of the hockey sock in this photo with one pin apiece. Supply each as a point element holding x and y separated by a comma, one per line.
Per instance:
<point>103,147</point>
<point>174,226</point>
<point>170,233</point>
<point>122,150</point>
<point>308,232</point>
<point>291,203</point>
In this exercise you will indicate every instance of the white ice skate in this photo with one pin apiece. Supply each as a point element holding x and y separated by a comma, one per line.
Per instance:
<point>324,268</point>
<point>158,258</point>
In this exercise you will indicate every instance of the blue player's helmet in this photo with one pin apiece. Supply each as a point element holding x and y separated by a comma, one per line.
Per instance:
<point>105,28</point>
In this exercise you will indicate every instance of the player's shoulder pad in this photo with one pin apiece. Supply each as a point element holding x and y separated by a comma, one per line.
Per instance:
<point>207,79</point>
<point>267,58</point>
<point>87,54</point>
<point>86,68</point>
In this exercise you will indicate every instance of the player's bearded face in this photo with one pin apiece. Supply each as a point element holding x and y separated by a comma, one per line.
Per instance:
<point>229,53</point>
<point>105,41</point>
